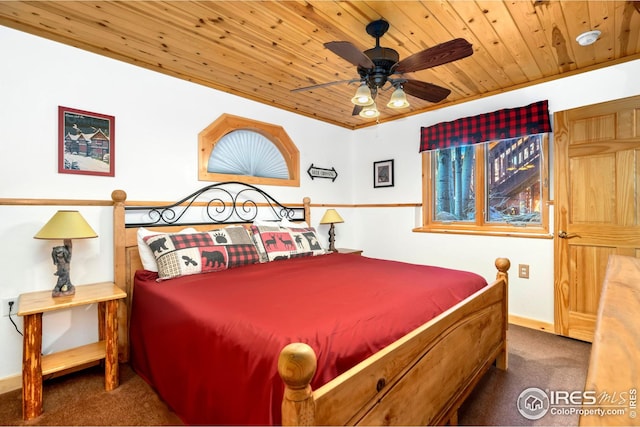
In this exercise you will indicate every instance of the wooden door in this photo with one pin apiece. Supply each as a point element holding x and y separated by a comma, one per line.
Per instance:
<point>597,207</point>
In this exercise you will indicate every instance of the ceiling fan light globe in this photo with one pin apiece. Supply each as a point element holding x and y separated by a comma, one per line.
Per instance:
<point>370,111</point>
<point>398,99</point>
<point>363,96</point>
<point>362,101</point>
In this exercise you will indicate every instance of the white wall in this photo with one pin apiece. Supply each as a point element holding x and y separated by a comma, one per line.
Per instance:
<point>157,122</point>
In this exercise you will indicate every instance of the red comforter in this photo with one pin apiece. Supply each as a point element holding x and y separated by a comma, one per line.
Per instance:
<point>209,343</point>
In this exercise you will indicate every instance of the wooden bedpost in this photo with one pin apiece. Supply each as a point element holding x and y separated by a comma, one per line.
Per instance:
<point>297,366</point>
<point>307,209</point>
<point>503,265</point>
<point>120,271</point>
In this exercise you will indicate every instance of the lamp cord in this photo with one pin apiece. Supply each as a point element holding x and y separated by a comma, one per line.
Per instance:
<point>14,323</point>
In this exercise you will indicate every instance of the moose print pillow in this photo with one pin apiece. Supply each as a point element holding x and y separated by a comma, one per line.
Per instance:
<point>277,242</point>
<point>195,253</point>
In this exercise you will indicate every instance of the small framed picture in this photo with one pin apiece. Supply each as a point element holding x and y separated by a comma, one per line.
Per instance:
<point>383,173</point>
<point>86,142</point>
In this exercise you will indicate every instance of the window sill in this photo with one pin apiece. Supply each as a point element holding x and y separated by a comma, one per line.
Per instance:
<point>533,234</point>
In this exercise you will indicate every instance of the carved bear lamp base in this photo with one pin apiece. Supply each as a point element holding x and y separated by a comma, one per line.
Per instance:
<point>61,256</point>
<point>66,290</point>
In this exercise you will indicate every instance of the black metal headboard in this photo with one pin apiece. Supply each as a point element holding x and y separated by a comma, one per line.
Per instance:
<point>222,203</point>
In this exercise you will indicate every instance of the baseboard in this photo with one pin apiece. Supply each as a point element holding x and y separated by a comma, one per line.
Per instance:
<point>531,323</point>
<point>10,383</point>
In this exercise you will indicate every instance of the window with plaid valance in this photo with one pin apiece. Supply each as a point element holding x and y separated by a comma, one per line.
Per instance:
<point>501,124</point>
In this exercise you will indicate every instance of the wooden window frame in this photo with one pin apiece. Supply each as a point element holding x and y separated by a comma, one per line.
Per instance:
<point>212,134</point>
<point>480,226</point>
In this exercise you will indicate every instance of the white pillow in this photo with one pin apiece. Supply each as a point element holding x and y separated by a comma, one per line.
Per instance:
<point>265,223</point>
<point>146,254</point>
<point>285,222</point>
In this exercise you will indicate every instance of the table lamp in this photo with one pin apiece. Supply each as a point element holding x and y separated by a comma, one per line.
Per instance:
<point>331,216</point>
<point>65,225</point>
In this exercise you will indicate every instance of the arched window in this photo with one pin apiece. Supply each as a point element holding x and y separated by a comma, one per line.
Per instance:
<point>237,149</point>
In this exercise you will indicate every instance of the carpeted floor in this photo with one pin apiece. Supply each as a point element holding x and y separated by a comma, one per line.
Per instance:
<point>80,399</point>
<point>536,359</point>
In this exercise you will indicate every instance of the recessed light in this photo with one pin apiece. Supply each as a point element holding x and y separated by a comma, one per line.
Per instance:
<point>587,38</point>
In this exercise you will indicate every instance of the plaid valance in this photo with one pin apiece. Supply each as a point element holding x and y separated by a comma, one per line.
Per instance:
<point>501,124</point>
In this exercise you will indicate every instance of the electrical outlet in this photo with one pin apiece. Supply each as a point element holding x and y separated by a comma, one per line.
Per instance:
<point>523,271</point>
<point>5,306</point>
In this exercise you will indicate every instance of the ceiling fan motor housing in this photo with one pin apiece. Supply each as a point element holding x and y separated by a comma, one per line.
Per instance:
<point>384,59</point>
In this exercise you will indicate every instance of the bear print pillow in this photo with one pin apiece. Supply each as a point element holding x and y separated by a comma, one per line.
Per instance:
<point>184,254</point>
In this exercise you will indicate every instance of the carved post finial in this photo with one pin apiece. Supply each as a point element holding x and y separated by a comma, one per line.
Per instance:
<point>297,366</point>
<point>503,265</point>
<point>118,196</point>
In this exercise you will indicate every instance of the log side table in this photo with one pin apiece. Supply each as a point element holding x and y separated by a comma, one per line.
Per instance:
<point>34,365</point>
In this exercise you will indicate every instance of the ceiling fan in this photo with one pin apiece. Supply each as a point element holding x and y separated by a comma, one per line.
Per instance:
<point>379,65</point>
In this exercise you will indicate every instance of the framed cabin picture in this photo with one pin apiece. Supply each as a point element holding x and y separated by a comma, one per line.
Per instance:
<point>383,173</point>
<point>86,142</point>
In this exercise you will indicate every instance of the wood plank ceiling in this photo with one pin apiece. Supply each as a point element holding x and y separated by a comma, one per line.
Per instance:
<point>262,50</point>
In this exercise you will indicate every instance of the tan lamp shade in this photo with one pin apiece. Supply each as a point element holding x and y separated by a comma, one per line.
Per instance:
<point>331,216</point>
<point>66,225</point>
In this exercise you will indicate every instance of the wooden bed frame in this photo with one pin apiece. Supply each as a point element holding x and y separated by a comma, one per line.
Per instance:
<point>421,379</point>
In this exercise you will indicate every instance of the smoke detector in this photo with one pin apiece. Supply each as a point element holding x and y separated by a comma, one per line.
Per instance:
<point>587,38</point>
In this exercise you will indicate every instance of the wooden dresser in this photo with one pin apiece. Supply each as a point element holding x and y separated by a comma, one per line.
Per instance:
<point>614,366</point>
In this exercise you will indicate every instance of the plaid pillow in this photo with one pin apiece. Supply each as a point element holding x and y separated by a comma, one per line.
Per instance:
<point>195,253</point>
<point>277,242</point>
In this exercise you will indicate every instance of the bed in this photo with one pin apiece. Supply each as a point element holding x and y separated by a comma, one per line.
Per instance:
<point>291,335</point>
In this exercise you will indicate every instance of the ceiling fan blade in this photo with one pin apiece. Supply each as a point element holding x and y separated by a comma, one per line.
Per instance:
<point>346,50</point>
<point>301,89</point>
<point>441,54</point>
<point>356,110</point>
<point>427,91</point>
